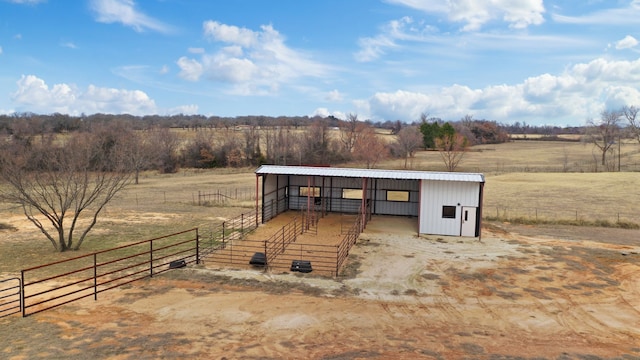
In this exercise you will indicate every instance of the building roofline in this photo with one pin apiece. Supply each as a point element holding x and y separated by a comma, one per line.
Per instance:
<point>369,173</point>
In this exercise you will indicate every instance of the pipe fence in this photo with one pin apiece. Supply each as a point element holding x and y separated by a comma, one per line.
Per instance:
<point>10,296</point>
<point>51,285</point>
<point>229,247</point>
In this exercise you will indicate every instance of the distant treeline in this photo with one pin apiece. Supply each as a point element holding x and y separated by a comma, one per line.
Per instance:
<point>60,123</point>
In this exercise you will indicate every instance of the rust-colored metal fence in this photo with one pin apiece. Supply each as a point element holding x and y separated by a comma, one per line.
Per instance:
<point>352,235</point>
<point>10,296</point>
<point>51,285</point>
<point>228,247</point>
<point>277,244</point>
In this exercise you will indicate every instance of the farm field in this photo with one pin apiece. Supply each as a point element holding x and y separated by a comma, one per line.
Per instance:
<point>546,291</point>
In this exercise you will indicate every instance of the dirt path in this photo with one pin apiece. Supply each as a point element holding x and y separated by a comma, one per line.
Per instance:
<point>508,296</point>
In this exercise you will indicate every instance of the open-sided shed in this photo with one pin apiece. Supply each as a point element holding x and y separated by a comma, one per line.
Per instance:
<point>446,203</point>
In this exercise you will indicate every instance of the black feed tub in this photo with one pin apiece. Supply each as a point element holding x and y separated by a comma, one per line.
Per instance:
<point>258,259</point>
<point>303,266</point>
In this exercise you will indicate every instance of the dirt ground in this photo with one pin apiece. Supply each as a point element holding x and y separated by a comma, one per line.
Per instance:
<point>518,293</point>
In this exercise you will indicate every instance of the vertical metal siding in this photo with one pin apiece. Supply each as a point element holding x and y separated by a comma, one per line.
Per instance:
<point>297,202</point>
<point>435,195</point>
<point>270,195</point>
<point>384,207</point>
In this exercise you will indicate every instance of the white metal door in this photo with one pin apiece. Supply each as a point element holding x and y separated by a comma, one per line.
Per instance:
<point>468,227</point>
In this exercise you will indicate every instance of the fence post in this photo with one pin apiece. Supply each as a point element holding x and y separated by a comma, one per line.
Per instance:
<point>151,258</point>
<point>242,223</point>
<point>283,239</point>
<point>95,277</point>
<point>337,259</point>
<point>197,248</point>
<point>24,312</point>
<point>266,256</point>
<point>223,223</point>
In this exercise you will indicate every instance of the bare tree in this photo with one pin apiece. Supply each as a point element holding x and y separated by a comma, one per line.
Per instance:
<point>603,134</point>
<point>350,130</point>
<point>252,151</point>
<point>166,148</point>
<point>452,146</point>
<point>408,140</point>
<point>316,144</point>
<point>279,144</point>
<point>63,185</point>
<point>369,148</point>
<point>631,113</point>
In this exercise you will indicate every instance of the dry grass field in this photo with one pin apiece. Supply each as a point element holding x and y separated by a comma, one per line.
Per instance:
<point>530,156</point>
<point>523,292</point>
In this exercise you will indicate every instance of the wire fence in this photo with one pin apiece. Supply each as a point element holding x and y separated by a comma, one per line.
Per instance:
<point>539,214</point>
<point>223,196</point>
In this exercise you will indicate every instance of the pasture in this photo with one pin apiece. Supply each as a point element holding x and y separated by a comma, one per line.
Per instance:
<point>510,296</point>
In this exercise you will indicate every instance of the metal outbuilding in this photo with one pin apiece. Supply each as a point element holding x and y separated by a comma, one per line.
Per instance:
<point>446,203</point>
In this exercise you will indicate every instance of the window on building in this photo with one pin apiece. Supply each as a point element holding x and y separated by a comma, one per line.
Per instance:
<point>448,212</point>
<point>396,195</point>
<point>352,194</point>
<point>313,191</point>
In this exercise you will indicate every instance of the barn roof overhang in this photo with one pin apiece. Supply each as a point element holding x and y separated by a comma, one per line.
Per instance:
<point>369,173</point>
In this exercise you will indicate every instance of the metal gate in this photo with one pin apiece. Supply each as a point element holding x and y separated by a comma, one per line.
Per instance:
<point>10,297</point>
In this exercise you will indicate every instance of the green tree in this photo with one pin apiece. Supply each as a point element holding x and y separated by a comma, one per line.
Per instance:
<point>430,132</point>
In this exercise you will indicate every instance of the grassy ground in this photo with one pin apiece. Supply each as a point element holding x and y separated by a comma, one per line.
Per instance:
<point>166,203</point>
<point>528,156</point>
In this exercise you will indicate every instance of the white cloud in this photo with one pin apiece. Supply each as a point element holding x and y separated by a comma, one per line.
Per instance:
<point>125,12</point>
<point>184,109</point>
<point>626,43</point>
<point>334,95</point>
<point>475,13</point>
<point>230,34</point>
<point>190,69</point>
<point>34,95</point>
<point>622,16</point>
<point>193,50</point>
<point>0,50</point>
<point>253,62</point>
<point>391,37</point>
<point>69,45</point>
<point>164,70</point>
<point>324,112</point>
<point>580,92</point>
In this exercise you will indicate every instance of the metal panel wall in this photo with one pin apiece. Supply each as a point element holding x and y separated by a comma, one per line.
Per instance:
<point>435,195</point>
<point>337,203</point>
<point>274,190</point>
<point>384,207</point>
<point>297,202</point>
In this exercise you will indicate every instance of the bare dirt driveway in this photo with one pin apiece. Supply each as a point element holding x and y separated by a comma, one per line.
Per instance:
<point>519,293</point>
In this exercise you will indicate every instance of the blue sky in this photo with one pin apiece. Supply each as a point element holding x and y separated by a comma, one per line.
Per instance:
<point>541,62</point>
